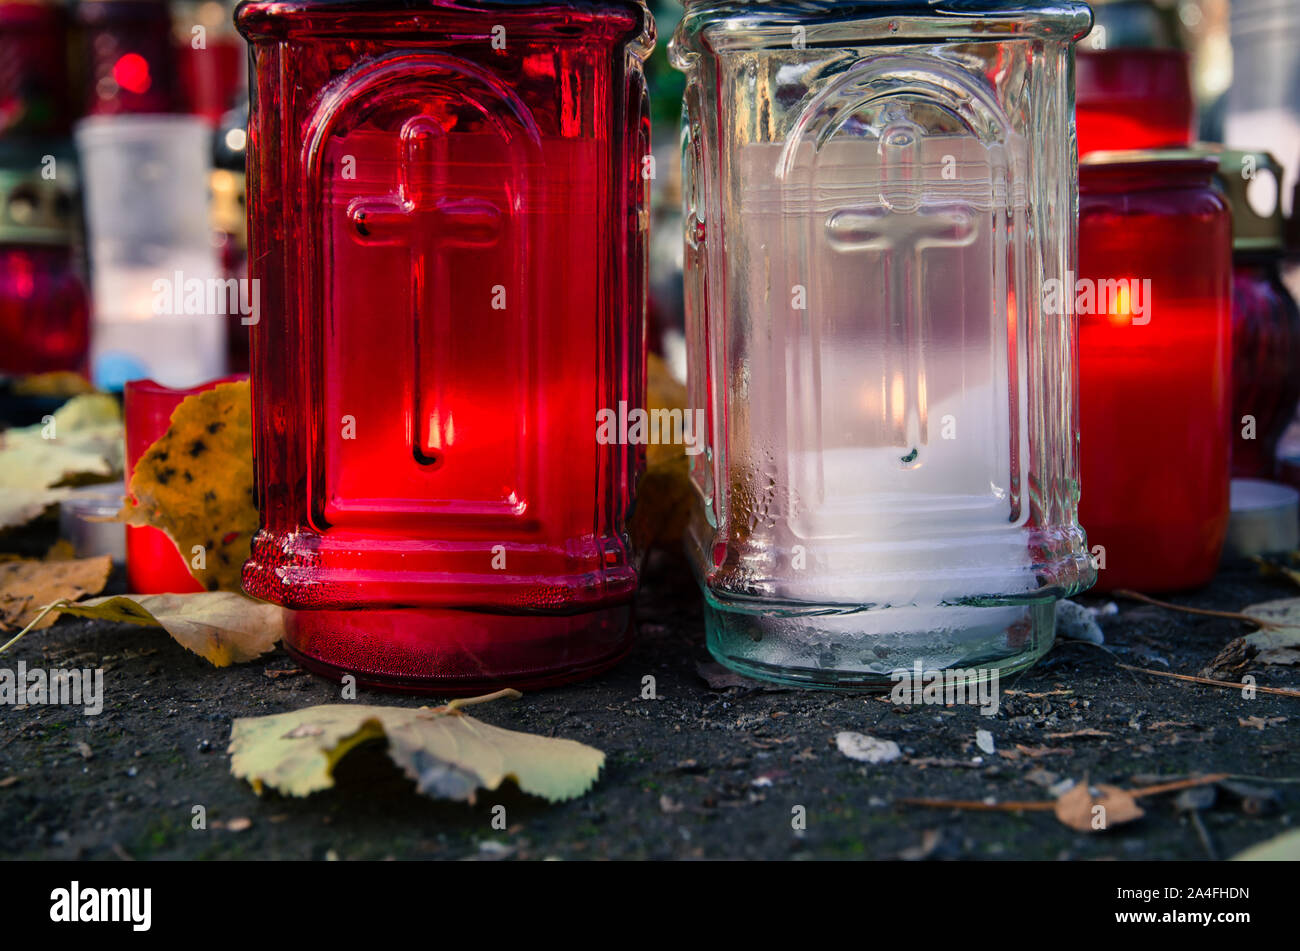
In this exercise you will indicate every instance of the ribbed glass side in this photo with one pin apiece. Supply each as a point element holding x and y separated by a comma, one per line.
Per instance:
<point>876,204</point>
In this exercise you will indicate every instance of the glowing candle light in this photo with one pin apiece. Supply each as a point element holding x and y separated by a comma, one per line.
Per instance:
<point>448,230</point>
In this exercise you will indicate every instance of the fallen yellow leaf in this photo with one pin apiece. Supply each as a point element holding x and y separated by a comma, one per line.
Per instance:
<point>81,442</point>
<point>448,754</point>
<point>196,484</point>
<point>222,626</point>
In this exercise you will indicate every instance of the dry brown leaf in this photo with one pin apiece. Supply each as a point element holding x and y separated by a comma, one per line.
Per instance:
<point>221,626</point>
<point>196,484</point>
<point>1097,808</point>
<point>27,586</point>
<point>1034,752</point>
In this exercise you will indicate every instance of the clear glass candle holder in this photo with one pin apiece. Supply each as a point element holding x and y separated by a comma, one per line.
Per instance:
<point>879,199</point>
<point>447,227</point>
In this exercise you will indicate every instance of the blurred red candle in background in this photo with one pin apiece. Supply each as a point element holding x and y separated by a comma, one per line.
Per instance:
<point>1154,368</point>
<point>1265,319</point>
<point>130,61</point>
<point>44,302</point>
<point>1133,98</point>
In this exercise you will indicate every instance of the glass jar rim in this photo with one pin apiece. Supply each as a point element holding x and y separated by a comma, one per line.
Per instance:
<point>932,21</point>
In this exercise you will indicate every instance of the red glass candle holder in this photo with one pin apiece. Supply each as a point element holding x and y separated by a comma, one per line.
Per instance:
<point>34,88</point>
<point>130,60</point>
<point>44,303</point>
<point>211,72</point>
<point>1132,98</point>
<point>1266,363</point>
<point>1154,367</point>
<point>153,563</point>
<point>1265,319</point>
<point>446,218</point>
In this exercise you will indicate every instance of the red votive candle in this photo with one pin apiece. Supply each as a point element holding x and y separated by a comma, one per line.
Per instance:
<point>1130,98</point>
<point>1154,367</point>
<point>44,303</point>
<point>130,64</point>
<point>446,218</point>
<point>35,98</point>
<point>1265,319</point>
<point>153,563</point>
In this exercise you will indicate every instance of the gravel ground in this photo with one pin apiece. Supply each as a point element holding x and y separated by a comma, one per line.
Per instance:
<point>697,773</point>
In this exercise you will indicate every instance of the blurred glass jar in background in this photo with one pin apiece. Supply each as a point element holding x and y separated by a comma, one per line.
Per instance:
<point>211,57</point>
<point>1265,319</point>
<point>1133,81</point>
<point>44,304</point>
<point>1154,304</point>
<point>35,99</point>
<point>130,64</point>
<point>1132,98</point>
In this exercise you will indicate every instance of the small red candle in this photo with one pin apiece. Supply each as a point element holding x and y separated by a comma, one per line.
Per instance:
<point>44,303</point>
<point>1130,98</point>
<point>1154,368</point>
<point>35,98</point>
<point>153,564</point>
<point>130,63</point>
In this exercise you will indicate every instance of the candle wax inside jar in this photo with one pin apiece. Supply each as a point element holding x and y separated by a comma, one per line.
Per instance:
<point>888,401</point>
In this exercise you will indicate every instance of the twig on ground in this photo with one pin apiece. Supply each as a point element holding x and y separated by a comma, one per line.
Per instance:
<point>1209,682</point>
<point>1229,615</point>
<point>976,805</point>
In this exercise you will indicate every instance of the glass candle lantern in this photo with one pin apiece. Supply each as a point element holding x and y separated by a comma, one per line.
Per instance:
<point>1265,319</point>
<point>130,64</point>
<point>35,98</point>
<point>447,220</point>
<point>1154,303</point>
<point>876,198</point>
<point>44,303</point>
<point>155,282</point>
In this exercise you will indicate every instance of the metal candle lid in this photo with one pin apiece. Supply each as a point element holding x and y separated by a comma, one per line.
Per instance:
<point>1265,518</point>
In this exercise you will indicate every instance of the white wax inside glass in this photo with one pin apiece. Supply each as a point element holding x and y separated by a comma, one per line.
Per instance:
<point>887,403</point>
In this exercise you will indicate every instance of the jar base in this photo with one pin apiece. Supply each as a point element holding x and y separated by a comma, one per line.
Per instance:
<point>872,649</point>
<point>457,652</point>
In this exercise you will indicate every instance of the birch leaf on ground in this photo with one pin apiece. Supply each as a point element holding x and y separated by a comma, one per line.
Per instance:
<point>81,443</point>
<point>1087,808</point>
<point>449,755</point>
<point>27,586</point>
<point>220,626</point>
<point>196,484</point>
<point>1280,645</point>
